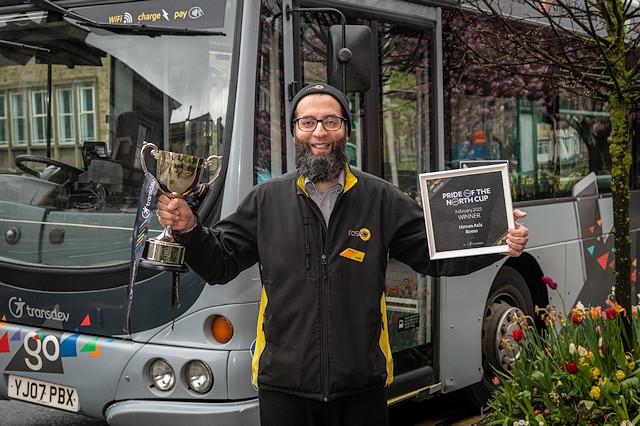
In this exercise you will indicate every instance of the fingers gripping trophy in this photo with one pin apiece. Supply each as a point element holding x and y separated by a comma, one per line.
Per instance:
<point>178,175</point>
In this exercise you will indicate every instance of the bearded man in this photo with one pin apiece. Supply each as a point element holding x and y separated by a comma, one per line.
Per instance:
<point>322,236</point>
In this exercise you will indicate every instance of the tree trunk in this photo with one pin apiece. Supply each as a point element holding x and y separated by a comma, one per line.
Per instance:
<point>620,150</point>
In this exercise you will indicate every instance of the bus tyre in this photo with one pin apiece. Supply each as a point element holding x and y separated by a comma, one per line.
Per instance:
<point>509,297</point>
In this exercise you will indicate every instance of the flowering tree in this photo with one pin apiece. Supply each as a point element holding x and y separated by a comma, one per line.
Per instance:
<point>584,46</point>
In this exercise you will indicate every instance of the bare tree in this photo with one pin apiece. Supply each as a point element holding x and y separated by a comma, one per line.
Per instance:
<point>585,46</point>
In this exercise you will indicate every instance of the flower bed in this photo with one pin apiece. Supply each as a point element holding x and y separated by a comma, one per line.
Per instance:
<point>576,371</point>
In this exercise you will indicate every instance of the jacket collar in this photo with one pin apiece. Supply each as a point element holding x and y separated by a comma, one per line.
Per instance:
<point>349,181</point>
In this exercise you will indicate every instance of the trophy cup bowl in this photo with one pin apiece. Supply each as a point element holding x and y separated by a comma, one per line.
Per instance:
<point>178,175</point>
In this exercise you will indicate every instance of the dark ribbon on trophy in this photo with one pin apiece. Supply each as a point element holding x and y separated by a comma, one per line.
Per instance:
<point>140,230</point>
<point>195,198</point>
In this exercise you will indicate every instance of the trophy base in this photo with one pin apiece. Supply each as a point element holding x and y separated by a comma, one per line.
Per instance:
<point>164,252</point>
<point>152,264</point>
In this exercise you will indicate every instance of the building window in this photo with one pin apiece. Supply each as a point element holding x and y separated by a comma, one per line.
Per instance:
<point>4,131</point>
<point>18,117</point>
<point>86,112</point>
<point>65,113</point>
<point>38,117</point>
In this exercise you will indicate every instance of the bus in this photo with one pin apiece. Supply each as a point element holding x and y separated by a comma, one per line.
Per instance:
<point>85,83</point>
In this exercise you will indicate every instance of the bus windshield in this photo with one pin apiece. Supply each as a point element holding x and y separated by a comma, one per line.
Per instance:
<point>77,102</point>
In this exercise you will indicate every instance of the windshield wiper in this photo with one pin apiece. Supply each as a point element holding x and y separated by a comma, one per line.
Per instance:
<point>25,47</point>
<point>149,30</point>
<point>132,29</point>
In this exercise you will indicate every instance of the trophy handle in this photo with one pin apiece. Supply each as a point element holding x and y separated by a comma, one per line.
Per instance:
<point>154,151</point>
<point>209,162</point>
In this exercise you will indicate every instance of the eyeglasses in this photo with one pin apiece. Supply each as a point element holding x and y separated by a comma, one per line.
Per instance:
<point>309,124</point>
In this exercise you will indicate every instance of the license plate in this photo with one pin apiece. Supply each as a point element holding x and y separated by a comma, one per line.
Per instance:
<point>44,393</point>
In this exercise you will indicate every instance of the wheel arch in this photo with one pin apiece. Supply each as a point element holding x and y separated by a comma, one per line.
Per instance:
<point>502,288</point>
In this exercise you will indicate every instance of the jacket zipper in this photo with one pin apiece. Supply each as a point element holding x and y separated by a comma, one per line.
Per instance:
<point>324,294</point>
<point>325,331</point>
<point>324,297</point>
<point>307,246</point>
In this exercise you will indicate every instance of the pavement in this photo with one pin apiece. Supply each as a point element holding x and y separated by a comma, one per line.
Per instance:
<point>445,421</point>
<point>469,421</point>
<point>442,410</point>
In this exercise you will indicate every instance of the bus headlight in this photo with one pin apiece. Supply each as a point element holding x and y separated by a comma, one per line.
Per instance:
<point>162,375</point>
<point>199,376</point>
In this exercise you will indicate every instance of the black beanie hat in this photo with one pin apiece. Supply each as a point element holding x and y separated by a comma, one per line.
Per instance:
<point>314,88</point>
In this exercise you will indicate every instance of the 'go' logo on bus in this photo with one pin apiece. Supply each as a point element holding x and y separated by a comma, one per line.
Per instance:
<point>37,347</point>
<point>40,351</point>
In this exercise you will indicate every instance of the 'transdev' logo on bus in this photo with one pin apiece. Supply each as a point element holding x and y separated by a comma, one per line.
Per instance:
<point>18,308</point>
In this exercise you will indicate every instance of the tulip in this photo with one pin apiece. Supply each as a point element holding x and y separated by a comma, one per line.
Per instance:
<point>549,282</point>
<point>517,334</point>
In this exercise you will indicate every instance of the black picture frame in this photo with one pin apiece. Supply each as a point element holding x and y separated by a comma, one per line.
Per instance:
<point>467,211</point>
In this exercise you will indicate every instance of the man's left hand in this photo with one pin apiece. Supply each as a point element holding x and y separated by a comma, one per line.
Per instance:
<point>518,236</point>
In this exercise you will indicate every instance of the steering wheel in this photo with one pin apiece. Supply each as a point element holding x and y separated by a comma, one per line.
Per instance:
<point>21,159</point>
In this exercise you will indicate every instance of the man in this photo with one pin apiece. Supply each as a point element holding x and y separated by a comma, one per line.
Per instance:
<point>323,236</point>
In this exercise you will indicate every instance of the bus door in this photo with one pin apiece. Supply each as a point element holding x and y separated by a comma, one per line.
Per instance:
<point>394,129</point>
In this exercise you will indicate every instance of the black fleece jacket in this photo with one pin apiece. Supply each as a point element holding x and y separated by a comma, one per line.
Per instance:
<point>322,329</point>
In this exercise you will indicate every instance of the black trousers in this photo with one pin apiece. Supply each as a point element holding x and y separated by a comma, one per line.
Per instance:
<point>364,409</point>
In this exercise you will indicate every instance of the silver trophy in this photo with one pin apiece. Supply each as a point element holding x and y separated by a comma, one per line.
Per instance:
<point>177,174</point>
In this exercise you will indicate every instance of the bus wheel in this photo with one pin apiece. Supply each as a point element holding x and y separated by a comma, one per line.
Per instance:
<point>509,298</point>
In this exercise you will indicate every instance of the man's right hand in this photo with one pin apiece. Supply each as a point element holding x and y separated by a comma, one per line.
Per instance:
<point>176,213</point>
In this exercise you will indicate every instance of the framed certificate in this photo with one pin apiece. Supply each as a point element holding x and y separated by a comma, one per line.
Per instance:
<point>467,211</point>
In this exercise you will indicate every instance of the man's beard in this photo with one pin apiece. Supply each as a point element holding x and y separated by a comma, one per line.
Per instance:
<point>320,167</point>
